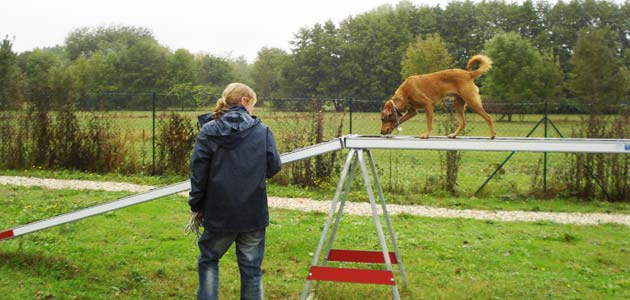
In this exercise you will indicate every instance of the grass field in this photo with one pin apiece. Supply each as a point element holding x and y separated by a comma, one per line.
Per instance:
<point>140,253</point>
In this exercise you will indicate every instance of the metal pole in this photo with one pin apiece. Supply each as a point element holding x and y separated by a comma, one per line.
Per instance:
<point>390,228</point>
<point>545,154</point>
<point>153,138</point>
<point>377,220</point>
<point>350,108</point>
<point>333,233</point>
<point>331,212</point>
<point>505,160</point>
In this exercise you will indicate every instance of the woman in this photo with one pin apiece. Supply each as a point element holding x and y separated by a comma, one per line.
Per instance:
<point>234,154</point>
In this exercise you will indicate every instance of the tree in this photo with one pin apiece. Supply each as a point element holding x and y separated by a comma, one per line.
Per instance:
<point>518,72</point>
<point>267,71</point>
<point>86,41</point>
<point>212,70</point>
<point>315,61</point>
<point>181,68</point>
<point>142,67</point>
<point>460,30</point>
<point>598,75</point>
<point>191,95</point>
<point>373,46</point>
<point>426,56</point>
<point>565,20</point>
<point>242,71</point>
<point>36,66</point>
<point>10,94</point>
<point>550,75</point>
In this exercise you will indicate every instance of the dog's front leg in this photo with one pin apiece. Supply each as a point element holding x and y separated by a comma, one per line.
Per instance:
<point>428,110</point>
<point>410,113</point>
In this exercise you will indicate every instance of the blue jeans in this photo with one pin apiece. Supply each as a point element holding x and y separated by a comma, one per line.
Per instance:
<point>250,249</point>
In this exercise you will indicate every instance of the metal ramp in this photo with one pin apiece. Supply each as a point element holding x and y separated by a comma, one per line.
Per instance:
<point>295,155</point>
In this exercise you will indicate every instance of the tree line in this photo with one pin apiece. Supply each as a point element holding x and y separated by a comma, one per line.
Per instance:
<point>575,50</point>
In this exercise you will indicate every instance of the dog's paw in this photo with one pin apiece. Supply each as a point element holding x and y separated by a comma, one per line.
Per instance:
<point>424,136</point>
<point>452,136</point>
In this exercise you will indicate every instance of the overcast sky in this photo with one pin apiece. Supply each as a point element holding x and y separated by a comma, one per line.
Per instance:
<point>224,28</point>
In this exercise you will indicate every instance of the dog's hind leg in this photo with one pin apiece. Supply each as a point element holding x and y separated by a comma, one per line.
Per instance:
<point>428,110</point>
<point>475,105</point>
<point>460,107</point>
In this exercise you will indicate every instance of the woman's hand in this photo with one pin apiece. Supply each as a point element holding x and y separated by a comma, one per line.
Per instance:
<point>199,214</point>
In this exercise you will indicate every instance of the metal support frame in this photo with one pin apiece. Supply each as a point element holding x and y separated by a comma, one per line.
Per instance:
<point>623,146</point>
<point>544,119</point>
<point>355,160</point>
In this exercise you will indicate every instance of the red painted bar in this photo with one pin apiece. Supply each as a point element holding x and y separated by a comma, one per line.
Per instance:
<point>6,234</point>
<point>351,275</point>
<point>358,256</point>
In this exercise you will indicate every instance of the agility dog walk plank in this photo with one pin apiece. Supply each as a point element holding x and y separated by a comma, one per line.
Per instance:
<point>485,144</point>
<point>296,155</point>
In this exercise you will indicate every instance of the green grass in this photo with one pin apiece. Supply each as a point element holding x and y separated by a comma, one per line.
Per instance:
<point>140,253</point>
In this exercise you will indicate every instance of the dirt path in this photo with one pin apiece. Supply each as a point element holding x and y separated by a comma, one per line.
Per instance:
<point>362,209</point>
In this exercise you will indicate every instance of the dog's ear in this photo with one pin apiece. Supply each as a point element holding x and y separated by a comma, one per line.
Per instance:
<point>384,112</point>
<point>387,112</point>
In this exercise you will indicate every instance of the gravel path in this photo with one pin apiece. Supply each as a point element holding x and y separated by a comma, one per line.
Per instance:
<point>362,209</point>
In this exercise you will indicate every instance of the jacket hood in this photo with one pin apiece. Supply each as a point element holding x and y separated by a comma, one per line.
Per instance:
<point>205,118</point>
<point>231,129</point>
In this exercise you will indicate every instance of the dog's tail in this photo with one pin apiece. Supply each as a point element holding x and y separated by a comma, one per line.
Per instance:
<point>485,63</point>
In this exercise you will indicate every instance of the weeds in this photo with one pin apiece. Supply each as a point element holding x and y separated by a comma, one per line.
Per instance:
<point>590,176</point>
<point>300,133</point>
<point>58,141</point>
<point>175,143</point>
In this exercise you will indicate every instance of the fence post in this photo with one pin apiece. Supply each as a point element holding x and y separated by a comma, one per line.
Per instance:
<point>350,108</point>
<point>545,154</point>
<point>153,138</point>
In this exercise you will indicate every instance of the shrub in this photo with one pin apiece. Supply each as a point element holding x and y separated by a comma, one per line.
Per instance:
<point>175,143</point>
<point>302,132</point>
<point>590,176</point>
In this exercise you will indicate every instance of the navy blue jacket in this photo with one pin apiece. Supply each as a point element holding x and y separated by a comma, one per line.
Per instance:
<point>233,156</point>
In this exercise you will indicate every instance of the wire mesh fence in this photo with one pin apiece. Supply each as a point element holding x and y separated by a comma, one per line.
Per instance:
<point>153,133</point>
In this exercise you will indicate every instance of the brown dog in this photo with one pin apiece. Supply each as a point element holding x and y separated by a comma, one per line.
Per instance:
<point>424,91</point>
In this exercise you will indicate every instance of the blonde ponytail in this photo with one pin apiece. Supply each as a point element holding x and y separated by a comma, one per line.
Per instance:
<point>220,108</point>
<point>232,96</point>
